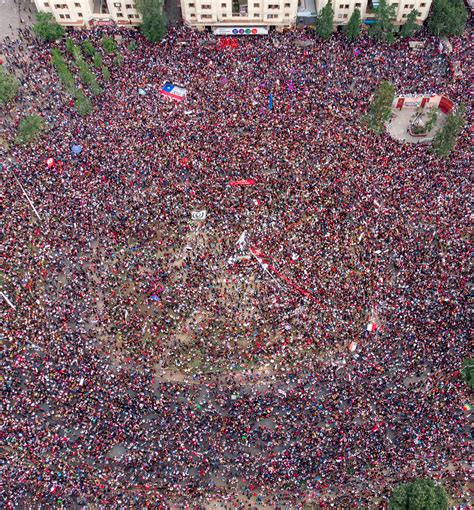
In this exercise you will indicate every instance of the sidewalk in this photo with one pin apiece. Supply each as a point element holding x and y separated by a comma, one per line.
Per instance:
<point>15,14</point>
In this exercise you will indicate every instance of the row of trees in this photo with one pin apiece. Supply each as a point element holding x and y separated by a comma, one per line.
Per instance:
<point>448,17</point>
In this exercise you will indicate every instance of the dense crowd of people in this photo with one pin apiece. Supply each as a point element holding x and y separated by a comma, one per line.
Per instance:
<point>153,360</point>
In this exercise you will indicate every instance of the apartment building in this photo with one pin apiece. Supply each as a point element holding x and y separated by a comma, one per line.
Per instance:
<point>86,13</point>
<point>343,9</point>
<point>239,17</point>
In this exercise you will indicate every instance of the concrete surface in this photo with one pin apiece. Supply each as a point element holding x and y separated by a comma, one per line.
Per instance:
<point>15,14</point>
<point>398,125</point>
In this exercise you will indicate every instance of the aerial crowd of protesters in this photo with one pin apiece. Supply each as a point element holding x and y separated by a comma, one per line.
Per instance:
<point>155,360</point>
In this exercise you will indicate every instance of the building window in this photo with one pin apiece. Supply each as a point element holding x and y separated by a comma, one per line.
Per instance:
<point>339,15</point>
<point>287,14</point>
<point>347,6</point>
<point>128,6</point>
<point>130,16</point>
<point>191,6</point>
<point>341,7</point>
<point>223,6</point>
<point>46,4</point>
<point>273,6</point>
<point>287,6</point>
<point>358,6</point>
<point>256,15</point>
<point>61,16</point>
<point>224,15</point>
<point>272,16</point>
<point>79,14</point>
<point>206,7</point>
<point>404,16</point>
<point>119,15</point>
<point>345,16</point>
<point>192,15</point>
<point>256,6</point>
<point>117,5</point>
<point>206,16</point>
<point>77,5</point>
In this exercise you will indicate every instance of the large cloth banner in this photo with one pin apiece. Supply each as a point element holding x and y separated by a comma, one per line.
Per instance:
<point>173,91</point>
<point>243,182</point>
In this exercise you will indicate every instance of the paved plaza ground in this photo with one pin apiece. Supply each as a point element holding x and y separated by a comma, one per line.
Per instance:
<point>398,126</point>
<point>15,14</point>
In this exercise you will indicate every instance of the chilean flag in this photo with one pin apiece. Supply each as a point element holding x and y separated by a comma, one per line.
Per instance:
<point>173,91</point>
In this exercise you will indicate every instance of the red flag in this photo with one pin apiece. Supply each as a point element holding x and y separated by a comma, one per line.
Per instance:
<point>243,182</point>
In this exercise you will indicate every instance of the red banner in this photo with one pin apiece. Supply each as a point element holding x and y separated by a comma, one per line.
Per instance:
<point>243,182</point>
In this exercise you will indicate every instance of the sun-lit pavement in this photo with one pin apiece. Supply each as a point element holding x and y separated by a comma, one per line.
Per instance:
<point>15,14</point>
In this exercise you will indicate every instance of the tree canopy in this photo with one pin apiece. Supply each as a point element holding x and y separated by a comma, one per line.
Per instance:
<point>410,26</point>
<point>324,21</point>
<point>384,29</point>
<point>8,86</point>
<point>446,137</point>
<point>352,29</point>
<point>153,25</point>
<point>381,107</point>
<point>419,495</point>
<point>46,27</point>
<point>467,371</point>
<point>448,17</point>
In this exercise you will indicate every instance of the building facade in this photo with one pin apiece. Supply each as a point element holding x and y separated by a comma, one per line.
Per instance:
<point>239,17</point>
<point>227,17</point>
<point>86,13</point>
<point>343,9</point>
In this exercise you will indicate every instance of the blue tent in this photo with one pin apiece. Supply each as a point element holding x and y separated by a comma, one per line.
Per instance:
<point>76,149</point>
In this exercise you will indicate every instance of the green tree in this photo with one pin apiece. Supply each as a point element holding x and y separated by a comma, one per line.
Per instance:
<point>63,71</point>
<point>106,73</point>
<point>419,495</point>
<point>29,128</point>
<point>324,21</point>
<point>8,86</point>
<point>467,372</point>
<point>352,29</point>
<point>46,27</point>
<point>109,44</point>
<point>410,27</point>
<point>432,117</point>
<point>153,25</point>
<point>132,46</point>
<point>88,47</point>
<point>381,107</point>
<point>384,29</point>
<point>446,137</point>
<point>82,104</point>
<point>448,17</point>
<point>118,60</point>
<point>97,59</point>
